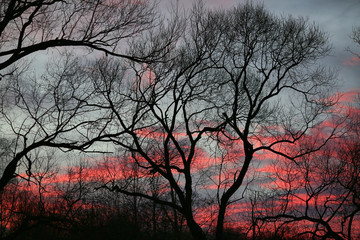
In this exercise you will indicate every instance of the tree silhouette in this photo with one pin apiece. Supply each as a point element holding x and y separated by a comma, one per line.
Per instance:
<point>320,191</point>
<point>53,111</point>
<point>30,26</point>
<point>241,78</point>
<point>355,36</point>
<point>193,107</point>
<point>27,27</point>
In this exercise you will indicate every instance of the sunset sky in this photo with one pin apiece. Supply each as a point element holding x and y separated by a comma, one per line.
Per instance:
<point>291,151</point>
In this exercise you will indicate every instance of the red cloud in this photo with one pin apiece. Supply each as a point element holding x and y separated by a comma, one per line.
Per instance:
<point>350,95</point>
<point>121,167</point>
<point>353,61</point>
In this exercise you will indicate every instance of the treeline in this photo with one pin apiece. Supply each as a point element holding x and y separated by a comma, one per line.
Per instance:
<point>58,215</point>
<point>67,212</point>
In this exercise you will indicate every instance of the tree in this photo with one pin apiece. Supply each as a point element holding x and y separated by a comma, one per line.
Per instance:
<point>45,113</point>
<point>356,35</point>
<point>356,38</point>
<point>8,200</point>
<point>241,82</point>
<point>321,192</point>
<point>30,26</point>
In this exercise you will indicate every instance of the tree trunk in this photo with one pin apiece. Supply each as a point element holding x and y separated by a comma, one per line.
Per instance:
<point>231,191</point>
<point>195,229</point>
<point>154,217</point>
<point>220,223</point>
<point>9,172</point>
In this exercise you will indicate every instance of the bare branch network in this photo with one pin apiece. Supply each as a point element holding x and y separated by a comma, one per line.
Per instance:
<point>196,107</point>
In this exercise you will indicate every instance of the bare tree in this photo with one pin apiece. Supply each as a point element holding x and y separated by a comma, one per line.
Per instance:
<point>278,91</point>
<point>239,83</point>
<point>320,191</point>
<point>348,153</point>
<point>356,35</point>
<point>50,104</point>
<point>242,76</point>
<point>46,112</point>
<point>30,26</point>
<point>356,38</point>
<point>9,199</point>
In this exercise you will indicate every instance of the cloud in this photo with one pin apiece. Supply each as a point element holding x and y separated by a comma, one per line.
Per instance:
<point>353,61</point>
<point>350,96</point>
<point>271,172</point>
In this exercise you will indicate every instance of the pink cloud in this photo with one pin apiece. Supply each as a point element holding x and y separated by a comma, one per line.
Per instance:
<point>350,96</point>
<point>353,61</point>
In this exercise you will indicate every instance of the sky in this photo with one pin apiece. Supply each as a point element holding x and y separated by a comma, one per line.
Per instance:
<point>336,17</point>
